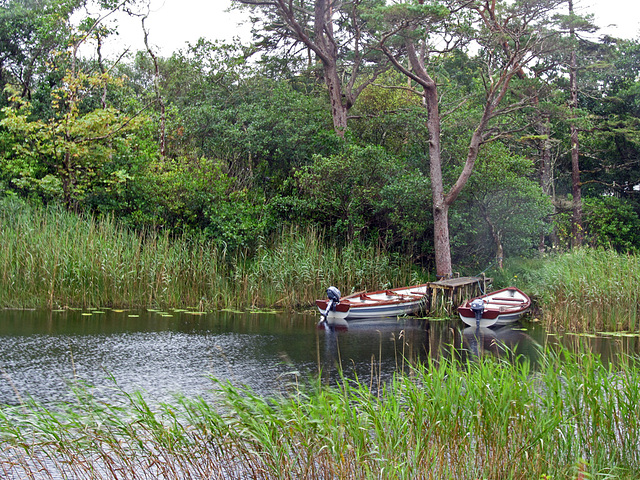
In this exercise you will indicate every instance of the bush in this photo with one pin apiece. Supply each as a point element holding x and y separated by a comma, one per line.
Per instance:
<point>611,222</point>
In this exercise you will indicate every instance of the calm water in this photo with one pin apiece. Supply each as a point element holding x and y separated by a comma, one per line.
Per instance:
<point>167,353</point>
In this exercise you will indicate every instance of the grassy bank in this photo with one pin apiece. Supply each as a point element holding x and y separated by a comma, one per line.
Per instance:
<point>570,418</point>
<point>583,290</point>
<point>51,258</point>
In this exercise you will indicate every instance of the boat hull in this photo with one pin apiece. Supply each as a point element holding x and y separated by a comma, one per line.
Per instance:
<point>502,307</point>
<point>381,304</point>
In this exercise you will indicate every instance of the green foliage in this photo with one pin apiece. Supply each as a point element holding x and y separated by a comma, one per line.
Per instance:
<point>29,33</point>
<point>608,222</point>
<point>364,193</point>
<point>611,222</point>
<point>250,143</point>
<point>502,205</point>
<point>64,158</point>
<point>261,128</point>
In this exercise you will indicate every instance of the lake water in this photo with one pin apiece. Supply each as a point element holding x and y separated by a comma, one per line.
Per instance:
<point>176,352</point>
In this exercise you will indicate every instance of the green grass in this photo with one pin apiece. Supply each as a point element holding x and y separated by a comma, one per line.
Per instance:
<point>50,258</point>
<point>583,290</point>
<point>567,417</point>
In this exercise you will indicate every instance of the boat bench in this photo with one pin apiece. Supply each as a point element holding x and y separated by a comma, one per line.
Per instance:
<point>509,304</point>
<point>507,299</point>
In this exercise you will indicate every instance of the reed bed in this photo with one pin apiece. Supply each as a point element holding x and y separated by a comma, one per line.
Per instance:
<point>588,290</point>
<point>570,417</point>
<point>52,258</point>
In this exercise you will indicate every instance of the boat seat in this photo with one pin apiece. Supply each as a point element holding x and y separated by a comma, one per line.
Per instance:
<point>507,299</point>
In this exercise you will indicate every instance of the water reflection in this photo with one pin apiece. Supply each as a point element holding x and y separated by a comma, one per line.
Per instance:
<point>511,341</point>
<point>166,353</point>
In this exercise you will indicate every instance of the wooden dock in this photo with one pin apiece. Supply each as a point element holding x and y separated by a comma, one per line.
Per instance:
<point>446,295</point>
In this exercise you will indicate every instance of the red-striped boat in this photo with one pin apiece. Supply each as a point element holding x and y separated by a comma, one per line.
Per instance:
<point>501,307</point>
<point>393,302</point>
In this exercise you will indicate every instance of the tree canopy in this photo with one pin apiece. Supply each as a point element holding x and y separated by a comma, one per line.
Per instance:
<point>442,130</point>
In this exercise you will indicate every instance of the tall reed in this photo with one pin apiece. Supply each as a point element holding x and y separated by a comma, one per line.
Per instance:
<point>588,289</point>
<point>52,258</point>
<point>570,417</point>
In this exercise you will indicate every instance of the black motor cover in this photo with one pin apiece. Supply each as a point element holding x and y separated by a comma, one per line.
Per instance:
<point>333,294</point>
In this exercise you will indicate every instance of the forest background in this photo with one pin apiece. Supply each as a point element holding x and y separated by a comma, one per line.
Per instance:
<point>502,124</point>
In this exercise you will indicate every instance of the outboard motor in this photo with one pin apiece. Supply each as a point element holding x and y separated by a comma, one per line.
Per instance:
<point>477,307</point>
<point>333,294</point>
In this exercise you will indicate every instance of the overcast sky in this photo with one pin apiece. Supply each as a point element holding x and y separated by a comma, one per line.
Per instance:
<point>173,23</point>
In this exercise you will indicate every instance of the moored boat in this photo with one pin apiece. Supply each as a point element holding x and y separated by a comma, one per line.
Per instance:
<point>380,304</point>
<point>501,307</point>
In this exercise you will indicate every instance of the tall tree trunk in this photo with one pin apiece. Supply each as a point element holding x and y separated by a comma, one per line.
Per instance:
<point>497,85</point>
<point>156,88</point>
<point>339,107</point>
<point>576,224</point>
<point>546,173</point>
<point>328,53</point>
<point>441,242</point>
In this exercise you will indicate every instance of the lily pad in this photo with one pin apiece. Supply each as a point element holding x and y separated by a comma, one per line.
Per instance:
<point>586,335</point>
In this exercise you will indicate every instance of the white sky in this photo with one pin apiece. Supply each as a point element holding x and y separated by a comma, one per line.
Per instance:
<point>174,23</point>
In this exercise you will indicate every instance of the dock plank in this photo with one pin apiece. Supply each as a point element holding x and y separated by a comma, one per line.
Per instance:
<point>457,282</point>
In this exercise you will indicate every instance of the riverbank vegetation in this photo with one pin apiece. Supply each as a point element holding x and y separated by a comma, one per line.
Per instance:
<point>586,290</point>
<point>567,417</point>
<point>51,258</point>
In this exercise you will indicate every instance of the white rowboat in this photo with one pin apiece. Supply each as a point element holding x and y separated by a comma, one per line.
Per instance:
<point>383,303</point>
<point>501,307</point>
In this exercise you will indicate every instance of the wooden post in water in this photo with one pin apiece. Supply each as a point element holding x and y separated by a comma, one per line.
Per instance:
<point>447,295</point>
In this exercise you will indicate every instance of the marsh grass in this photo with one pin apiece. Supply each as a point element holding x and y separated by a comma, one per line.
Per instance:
<point>587,290</point>
<point>569,416</point>
<point>52,258</point>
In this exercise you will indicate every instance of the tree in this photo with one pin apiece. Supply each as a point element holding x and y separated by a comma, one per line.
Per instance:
<point>504,205</point>
<point>64,150</point>
<point>509,35</point>
<point>577,228</point>
<point>363,193</point>
<point>336,33</point>
<point>29,33</point>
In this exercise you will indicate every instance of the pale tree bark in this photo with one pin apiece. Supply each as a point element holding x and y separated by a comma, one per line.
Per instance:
<point>442,200</point>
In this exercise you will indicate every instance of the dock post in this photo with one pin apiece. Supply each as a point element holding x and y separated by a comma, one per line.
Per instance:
<point>447,295</point>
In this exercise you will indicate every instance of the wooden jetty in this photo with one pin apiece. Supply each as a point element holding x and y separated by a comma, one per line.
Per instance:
<point>446,295</point>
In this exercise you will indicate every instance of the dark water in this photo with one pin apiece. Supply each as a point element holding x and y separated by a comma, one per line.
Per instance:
<point>166,353</point>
